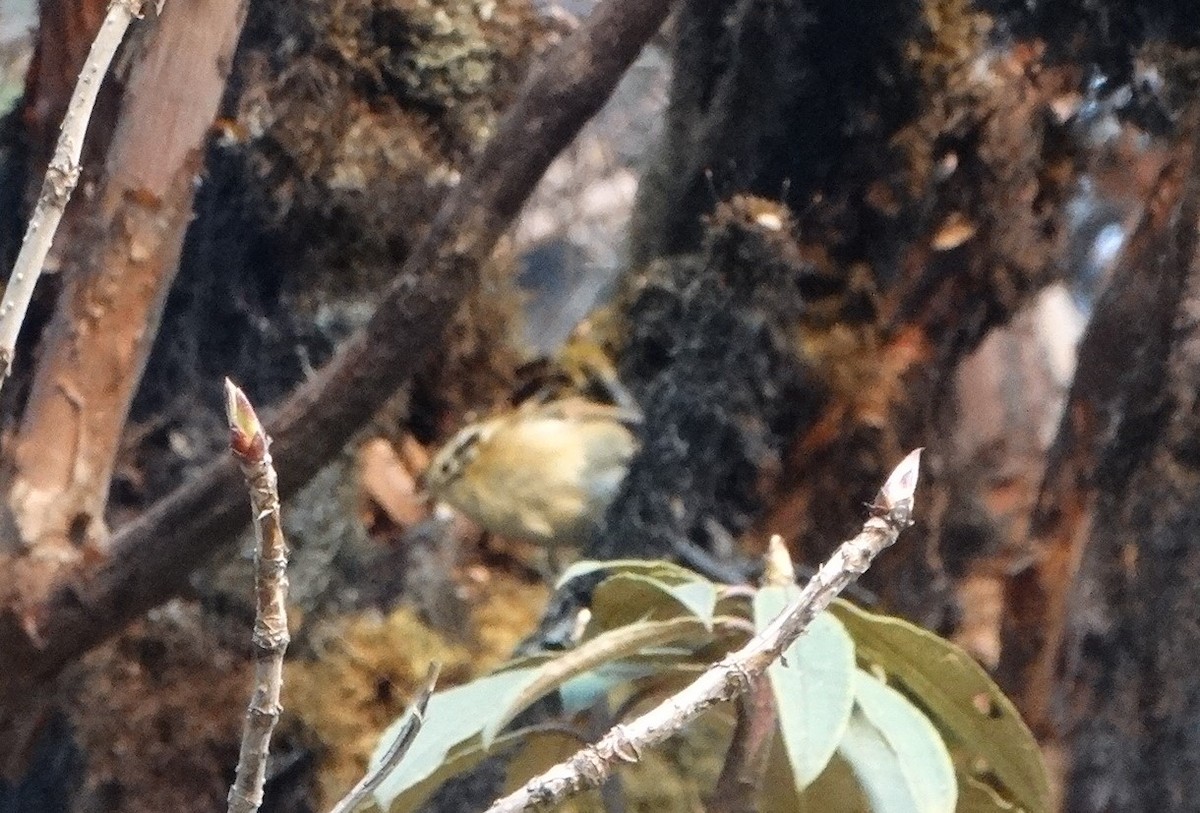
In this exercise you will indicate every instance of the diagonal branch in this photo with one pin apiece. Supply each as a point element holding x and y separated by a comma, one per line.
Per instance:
<point>733,675</point>
<point>152,557</point>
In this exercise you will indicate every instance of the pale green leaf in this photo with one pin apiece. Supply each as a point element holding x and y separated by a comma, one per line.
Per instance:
<point>981,727</point>
<point>451,742</point>
<point>814,691</point>
<point>663,571</point>
<point>700,599</point>
<point>447,743</point>
<point>606,648</point>
<point>628,598</point>
<point>876,767</point>
<point>580,693</point>
<point>922,756</point>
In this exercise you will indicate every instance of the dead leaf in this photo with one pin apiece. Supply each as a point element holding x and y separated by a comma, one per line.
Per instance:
<point>386,481</point>
<point>954,231</point>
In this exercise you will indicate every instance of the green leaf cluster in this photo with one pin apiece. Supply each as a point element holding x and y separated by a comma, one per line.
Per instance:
<point>873,713</point>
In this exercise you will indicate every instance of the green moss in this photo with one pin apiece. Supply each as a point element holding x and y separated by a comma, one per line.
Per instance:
<point>368,666</point>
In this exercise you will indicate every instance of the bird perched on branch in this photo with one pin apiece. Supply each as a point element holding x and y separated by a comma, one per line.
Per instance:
<point>543,472</point>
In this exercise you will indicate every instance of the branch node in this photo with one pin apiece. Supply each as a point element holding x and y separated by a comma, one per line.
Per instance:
<point>62,175</point>
<point>135,8</point>
<point>737,677</point>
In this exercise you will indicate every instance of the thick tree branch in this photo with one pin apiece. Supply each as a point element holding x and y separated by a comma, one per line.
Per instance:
<point>732,676</point>
<point>151,558</point>
<point>1127,322</point>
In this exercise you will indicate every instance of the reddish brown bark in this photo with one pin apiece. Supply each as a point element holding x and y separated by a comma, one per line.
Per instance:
<point>1039,595</point>
<point>116,281</point>
<point>1008,193</point>
<point>1129,700</point>
<point>923,207</point>
<point>65,32</point>
<point>746,761</point>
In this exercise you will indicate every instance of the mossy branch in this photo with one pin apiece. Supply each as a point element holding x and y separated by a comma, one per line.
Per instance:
<point>152,557</point>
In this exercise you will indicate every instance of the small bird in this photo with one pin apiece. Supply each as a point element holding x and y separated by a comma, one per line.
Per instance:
<point>543,472</point>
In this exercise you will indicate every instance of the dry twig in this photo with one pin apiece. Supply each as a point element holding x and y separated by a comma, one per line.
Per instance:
<point>249,443</point>
<point>732,676</point>
<point>61,176</point>
<point>414,718</point>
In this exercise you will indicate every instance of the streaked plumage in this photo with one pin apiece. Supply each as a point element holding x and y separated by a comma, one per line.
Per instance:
<point>543,472</point>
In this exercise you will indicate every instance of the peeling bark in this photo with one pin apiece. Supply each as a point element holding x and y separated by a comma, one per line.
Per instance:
<point>116,281</point>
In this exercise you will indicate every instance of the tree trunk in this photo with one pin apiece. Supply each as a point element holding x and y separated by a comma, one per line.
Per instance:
<point>922,204</point>
<point>1126,324</point>
<point>116,282</point>
<point>1130,709</point>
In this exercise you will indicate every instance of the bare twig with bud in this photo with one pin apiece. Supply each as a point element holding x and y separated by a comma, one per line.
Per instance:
<point>61,175</point>
<point>250,446</point>
<point>730,677</point>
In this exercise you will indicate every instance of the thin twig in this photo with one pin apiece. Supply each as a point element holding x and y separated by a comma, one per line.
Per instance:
<point>61,176</point>
<point>750,748</point>
<point>732,676</point>
<point>249,443</point>
<point>414,718</point>
<point>746,760</point>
